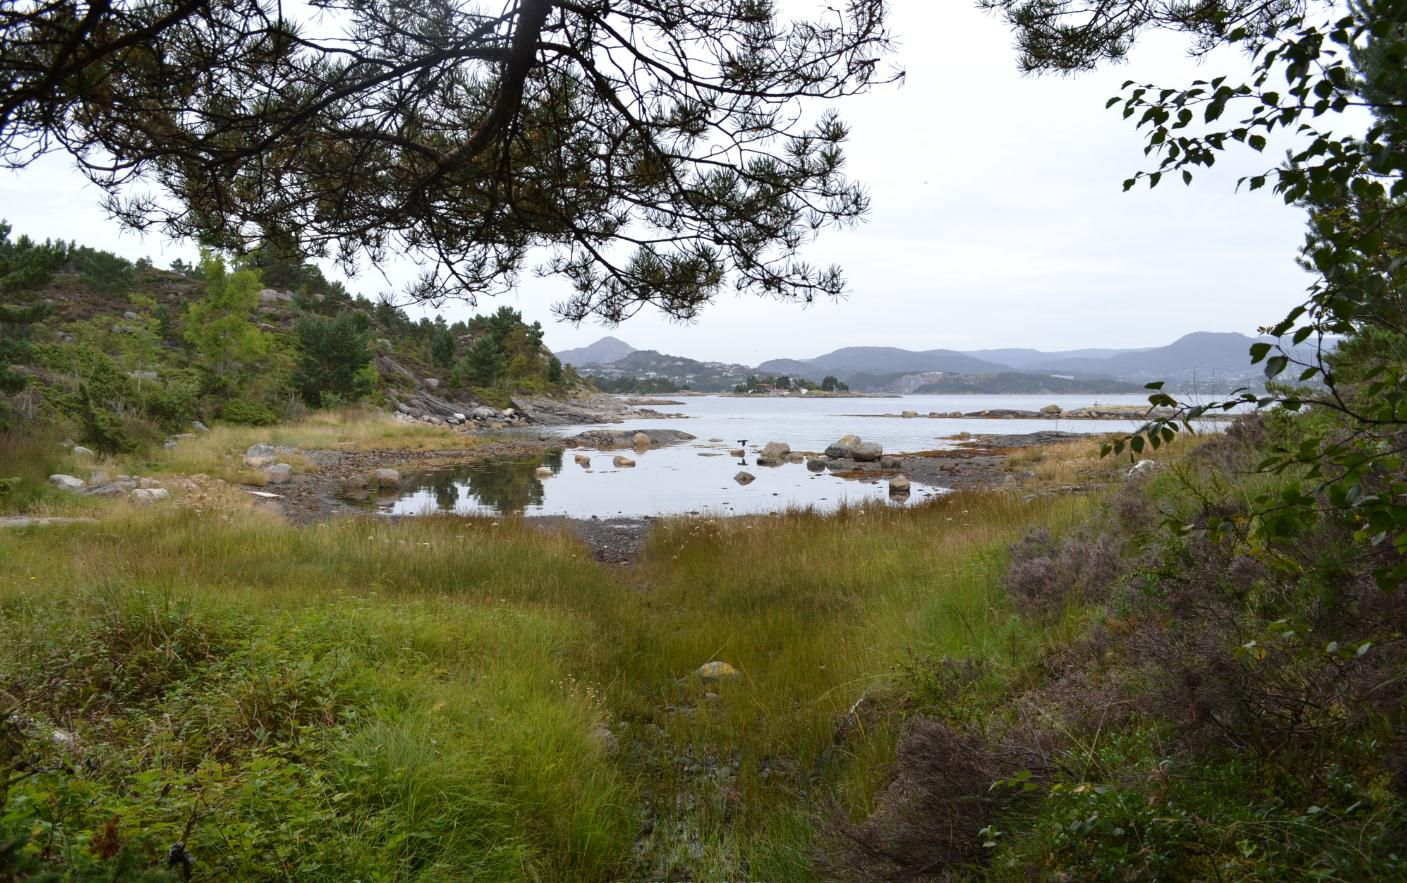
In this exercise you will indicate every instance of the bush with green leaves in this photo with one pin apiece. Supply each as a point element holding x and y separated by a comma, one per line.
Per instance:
<point>506,355</point>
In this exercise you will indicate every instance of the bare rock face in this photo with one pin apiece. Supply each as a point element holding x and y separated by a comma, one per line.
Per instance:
<point>622,462</point>
<point>745,478</point>
<point>260,455</point>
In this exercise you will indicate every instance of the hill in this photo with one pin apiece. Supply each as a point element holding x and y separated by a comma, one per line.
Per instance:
<point>657,371</point>
<point>1218,359</point>
<point>602,352</point>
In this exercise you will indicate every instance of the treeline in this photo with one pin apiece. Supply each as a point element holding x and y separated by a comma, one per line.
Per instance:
<point>127,354</point>
<point>755,384</point>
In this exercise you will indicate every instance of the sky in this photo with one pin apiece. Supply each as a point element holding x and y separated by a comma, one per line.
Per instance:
<point>997,219</point>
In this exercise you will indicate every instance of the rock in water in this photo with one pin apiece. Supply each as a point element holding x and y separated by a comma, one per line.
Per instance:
<point>716,671</point>
<point>583,461</point>
<point>867,452</point>
<point>909,414</point>
<point>773,453</point>
<point>279,473</point>
<point>844,448</point>
<point>1052,410</point>
<point>260,455</point>
<point>898,486</point>
<point>738,452</point>
<point>623,462</point>
<point>387,478</point>
<point>66,482</point>
<point>640,440</point>
<point>544,472</point>
<point>744,478</point>
<point>817,464</point>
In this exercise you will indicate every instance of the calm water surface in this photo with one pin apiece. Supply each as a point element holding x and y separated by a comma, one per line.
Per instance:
<point>697,477</point>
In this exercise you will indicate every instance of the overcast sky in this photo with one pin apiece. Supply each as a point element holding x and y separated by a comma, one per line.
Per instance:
<point>997,220</point>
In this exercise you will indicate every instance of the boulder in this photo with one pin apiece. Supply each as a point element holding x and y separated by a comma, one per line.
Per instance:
<point>130,316</point>
<point>716,671</point>
<point>148,483</point>
<point>898,486</point>
<point>484,413</point>
<point>745,478</point>
<point>817,464</point>
<point>583,461</point>
<point>1052,410</point>
<point>796,457</point>
<point>67,483</point>
<point>279,473</point>
<point>602,736</point>
<point>909,414</point>
<point>640,440</point>
<point>260,455</point>
<point>543,472</point>
<point>387,478</point>
<point>844,448</point>
<point>98,477</point>
<point>738,452</point>
<point>867,452</point>
<point>145,495</point>
<point>80,451</point>
<point>889,461</point>
<point>271,296</point>
<point>773,453</point>
<point>432,382</point>
<point>199,427</point>
<point>622,462</point>
<point>356,483</point>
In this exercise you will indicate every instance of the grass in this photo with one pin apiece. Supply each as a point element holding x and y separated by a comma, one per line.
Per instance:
<point>470,699</point>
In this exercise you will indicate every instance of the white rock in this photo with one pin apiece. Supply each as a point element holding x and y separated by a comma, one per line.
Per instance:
<point>1142,467</point>
<point>80,451</point>
<point>149,494</point>
<point>67,482</point>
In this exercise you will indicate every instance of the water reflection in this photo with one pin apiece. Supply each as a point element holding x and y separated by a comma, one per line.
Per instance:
<point>503,487</point>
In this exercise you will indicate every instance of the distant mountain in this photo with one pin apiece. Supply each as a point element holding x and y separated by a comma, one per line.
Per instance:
<point>602,352</point>
<point>1021,358</point>
<point>1218,359</point>
<point>1014,382</point>
<point>852,360</point>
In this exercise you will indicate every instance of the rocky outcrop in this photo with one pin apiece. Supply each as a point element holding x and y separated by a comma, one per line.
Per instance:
<point>606,439</point>
<point>597,408</point>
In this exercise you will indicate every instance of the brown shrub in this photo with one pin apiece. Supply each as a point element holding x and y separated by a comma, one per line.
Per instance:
<point>1046,574</point>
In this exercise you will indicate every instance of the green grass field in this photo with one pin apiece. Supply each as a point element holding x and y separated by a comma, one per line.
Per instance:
<point>470,699</point>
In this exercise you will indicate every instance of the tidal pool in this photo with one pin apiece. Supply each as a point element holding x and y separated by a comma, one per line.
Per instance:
<point>684,479</point>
